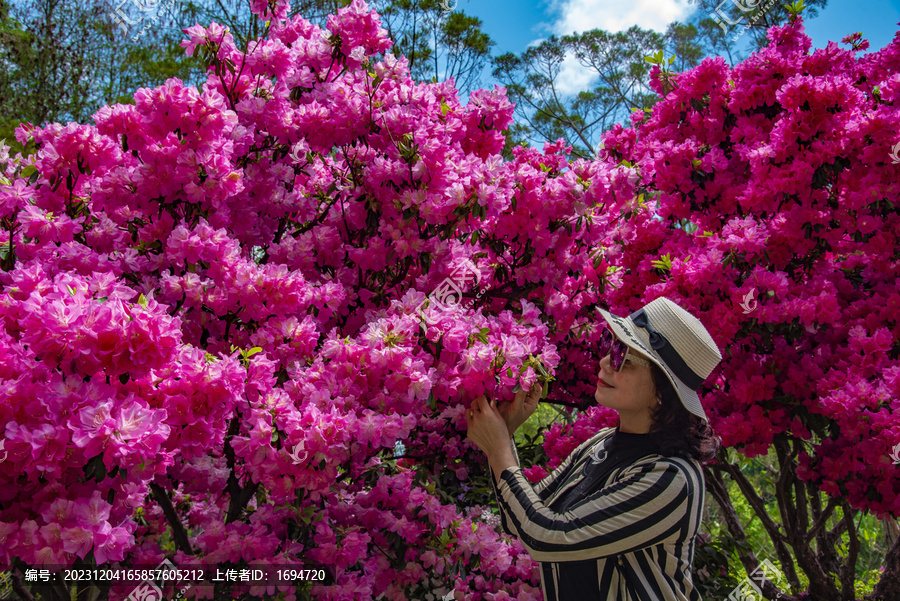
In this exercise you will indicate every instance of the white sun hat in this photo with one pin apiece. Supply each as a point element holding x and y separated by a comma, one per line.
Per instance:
<point>674,340</point>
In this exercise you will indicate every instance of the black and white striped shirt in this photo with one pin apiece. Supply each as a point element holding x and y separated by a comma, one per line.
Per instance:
<point>628,536</point>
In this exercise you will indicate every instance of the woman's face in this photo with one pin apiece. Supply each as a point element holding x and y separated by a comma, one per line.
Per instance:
<point>630,392</point>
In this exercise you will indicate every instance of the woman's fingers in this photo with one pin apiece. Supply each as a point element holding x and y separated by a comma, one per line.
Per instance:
<point>475,405</point>
<point>480,405</point>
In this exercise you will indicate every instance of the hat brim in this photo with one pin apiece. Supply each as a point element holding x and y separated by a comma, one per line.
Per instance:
<point>639,340</point>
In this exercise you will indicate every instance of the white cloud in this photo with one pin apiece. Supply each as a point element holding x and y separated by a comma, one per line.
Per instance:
<point>575,16</point>
<point>573,77</point>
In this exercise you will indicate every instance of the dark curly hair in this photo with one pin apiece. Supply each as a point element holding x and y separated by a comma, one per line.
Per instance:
<point>677,431</point>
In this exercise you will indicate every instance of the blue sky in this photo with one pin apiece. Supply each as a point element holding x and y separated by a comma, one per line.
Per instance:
<point>516,24</point>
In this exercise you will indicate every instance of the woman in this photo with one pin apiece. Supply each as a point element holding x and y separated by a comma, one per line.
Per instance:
<point>617,519</point>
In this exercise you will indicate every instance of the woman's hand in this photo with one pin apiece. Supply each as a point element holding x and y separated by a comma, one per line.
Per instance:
<point>488,431</point>
<point>516,412</point>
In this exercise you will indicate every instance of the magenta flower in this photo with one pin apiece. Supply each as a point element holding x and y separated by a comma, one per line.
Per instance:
<point>92,427</point>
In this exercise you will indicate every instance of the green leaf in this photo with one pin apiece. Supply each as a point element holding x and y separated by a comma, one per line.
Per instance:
<point>445,108</point>
<point>95,469</point>
<point>664,263</point>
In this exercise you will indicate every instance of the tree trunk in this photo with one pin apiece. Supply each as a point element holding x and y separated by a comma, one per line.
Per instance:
<point>891,531</point>
<point>888,588</point>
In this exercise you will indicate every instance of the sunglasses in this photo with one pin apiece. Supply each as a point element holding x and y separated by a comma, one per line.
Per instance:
<point>617,350</point>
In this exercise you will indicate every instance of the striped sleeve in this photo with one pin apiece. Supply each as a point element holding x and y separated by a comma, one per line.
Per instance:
<point>503,521</point>
<point>551,482</point>
<point>651,504</point>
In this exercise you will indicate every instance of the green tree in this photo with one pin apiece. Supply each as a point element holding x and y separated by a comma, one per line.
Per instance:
<point>438,43</point>
<point>546,110</point>
<point>616,60</point>
<point>684,41</point>
<point>64,59</point>
<point>46,47</point>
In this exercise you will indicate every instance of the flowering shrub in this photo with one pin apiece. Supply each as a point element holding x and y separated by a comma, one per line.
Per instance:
<point>783,165</point>
<point>776,179</point>
<point>215,326</point>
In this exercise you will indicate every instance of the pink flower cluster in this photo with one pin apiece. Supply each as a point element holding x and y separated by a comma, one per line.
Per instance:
<point>781,168</point>
<point>216,310</point>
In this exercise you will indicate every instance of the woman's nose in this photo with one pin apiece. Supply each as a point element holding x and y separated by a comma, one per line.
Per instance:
<point>604,364</point>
